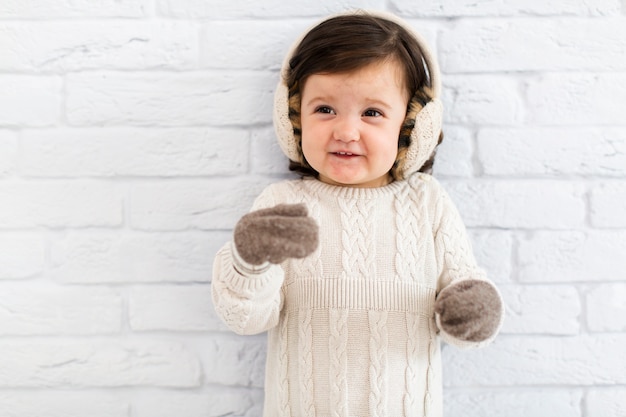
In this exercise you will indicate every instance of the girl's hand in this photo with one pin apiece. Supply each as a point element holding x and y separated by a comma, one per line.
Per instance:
<point>275,234</point>
<point>469,310</point>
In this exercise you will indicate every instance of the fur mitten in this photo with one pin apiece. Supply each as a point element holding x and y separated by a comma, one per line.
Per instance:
<point>275,234</point>
<point>469,310</point>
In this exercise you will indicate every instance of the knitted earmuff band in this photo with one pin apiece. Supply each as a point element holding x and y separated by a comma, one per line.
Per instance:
<point>419,100</point>
<point>419,135</point>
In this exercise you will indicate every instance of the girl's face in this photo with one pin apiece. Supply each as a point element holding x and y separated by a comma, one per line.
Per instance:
<point>351,124</point>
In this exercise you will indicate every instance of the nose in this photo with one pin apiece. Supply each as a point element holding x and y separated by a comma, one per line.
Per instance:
<point>346,130</point>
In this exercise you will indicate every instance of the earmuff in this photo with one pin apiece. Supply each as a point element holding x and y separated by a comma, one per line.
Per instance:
<point>428,120</point>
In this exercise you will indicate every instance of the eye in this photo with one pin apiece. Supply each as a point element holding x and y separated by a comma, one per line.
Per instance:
<point>324,110</point>
<point>372,113</point>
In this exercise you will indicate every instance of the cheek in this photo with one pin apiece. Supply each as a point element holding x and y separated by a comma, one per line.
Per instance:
<point>306,150</point>
<point>389,149</point>
<point>391,156</point>
<point>309,135</point>
<point>308,147</point>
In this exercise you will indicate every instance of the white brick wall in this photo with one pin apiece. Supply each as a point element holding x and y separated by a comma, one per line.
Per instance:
<point>134,134</point>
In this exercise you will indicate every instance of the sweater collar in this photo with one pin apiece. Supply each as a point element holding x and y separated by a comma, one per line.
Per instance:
<point>346,192</point>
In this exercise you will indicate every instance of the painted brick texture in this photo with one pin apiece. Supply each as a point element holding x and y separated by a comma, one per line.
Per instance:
<point>135,133</point>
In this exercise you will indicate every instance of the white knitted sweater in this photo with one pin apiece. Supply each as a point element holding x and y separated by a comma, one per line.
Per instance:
<point>351,328</point>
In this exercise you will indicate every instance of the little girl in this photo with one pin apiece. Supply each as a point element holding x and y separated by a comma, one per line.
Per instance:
<point>356,269</point>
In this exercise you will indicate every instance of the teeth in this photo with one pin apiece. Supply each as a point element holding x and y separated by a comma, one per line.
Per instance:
<point>344,153</point>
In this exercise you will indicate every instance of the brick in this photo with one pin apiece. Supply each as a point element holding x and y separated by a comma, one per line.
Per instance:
<point>608,205</point>
<point>541,309</point>
<point>180,205</point>
<point>261,44</point>
<point>606,308</point>
<point>36,309</point>
<point>59,204</point>
<point>482,99</point>
<point>199,9</point>
<point>181,99</point>
<point>8,152</point>
<point>518,403</point>
<point>172,308</point>
<point>266,157</point>
<point>449,8</point>
<point>534,45</point>
<point>234,360</point>
<point>125,257</point>
<point>217,401</point>
<point>585,360</point>
<point>217,239</point>
<point>21,255</point>
<point>29,101</point>
<point>606,402</point>
<point>41,9</point>
<point>107,152</point>
<point>454,156</point>
<point>39,363</point>
<point>572,256</point>
<point>552,151</point>
<point>54,47</point>
<point>493,251</point>
<point>519,204</point>
<point>60,403</point>
<point>565,99</point>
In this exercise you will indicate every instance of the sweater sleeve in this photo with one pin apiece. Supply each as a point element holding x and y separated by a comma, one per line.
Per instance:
<point>248,299</point>
<point>456,260</point>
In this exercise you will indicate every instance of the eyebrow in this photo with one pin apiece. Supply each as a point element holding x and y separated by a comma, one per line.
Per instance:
<point>378,102</point>
<point>373,101</point>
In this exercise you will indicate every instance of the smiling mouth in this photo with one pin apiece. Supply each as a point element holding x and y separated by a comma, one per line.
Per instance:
<point>345,154</point>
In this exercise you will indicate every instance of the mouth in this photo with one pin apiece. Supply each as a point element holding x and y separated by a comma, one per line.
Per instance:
<point>344,154</point>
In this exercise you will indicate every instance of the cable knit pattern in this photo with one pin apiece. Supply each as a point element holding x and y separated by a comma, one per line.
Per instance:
<point>283,370</point>
<point>459,259</point>
<point>314,264</point>
<point>378,362</point>
<point>407,235</point>
<point>305,344</point>
<point>428,399</point>
<point>246,304</point>
<point>352,330</point>
<point>358,246</point>
<point>311,265</point>
<point>410,225</point>
<point>411,402</point>
<point>338,352</point>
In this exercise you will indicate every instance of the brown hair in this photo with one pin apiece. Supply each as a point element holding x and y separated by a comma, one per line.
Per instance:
<point>350,42</point>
